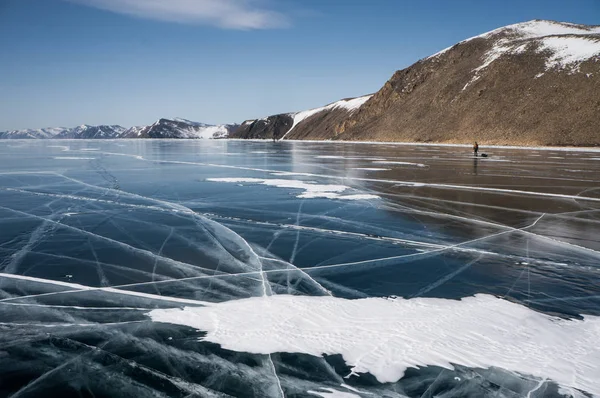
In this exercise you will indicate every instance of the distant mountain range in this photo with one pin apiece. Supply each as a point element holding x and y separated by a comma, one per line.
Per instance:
<point>532,83</point>
<point>163,128</point>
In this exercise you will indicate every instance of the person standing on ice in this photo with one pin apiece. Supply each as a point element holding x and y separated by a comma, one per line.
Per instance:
<point>475,148</point>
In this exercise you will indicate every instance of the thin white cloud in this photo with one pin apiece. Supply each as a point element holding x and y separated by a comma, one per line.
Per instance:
<point>227,14</point>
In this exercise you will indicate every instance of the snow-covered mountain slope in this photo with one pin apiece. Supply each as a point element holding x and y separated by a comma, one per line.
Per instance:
<point>92,132</point>
<point>163,128</point>
<point>540,30</point>
<point>79,132</point>
<point>565,46</point>
<point>32,133</point>
<point>179,128</point>
<point>297,124</point>
<point>347,105</point>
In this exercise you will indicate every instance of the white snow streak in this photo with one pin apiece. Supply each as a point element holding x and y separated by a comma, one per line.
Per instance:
<point>351,105</point>
<point>311,189</point>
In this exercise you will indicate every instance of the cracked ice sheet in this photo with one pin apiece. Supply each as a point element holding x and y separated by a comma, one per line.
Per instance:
<point>386,336</point>
<point>544,273</point>
<point>311,189</point>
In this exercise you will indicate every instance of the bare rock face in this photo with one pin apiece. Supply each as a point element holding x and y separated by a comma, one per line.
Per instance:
<point>533,83</point>
<point>272,127</point>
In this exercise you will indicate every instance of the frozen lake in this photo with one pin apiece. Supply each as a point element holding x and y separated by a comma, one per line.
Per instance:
<point>175,268</point>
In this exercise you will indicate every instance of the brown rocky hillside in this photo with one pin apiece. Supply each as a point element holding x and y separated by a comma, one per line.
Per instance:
<point>534,83</point>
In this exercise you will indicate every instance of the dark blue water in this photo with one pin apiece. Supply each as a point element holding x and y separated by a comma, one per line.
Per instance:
<point>148,219</point>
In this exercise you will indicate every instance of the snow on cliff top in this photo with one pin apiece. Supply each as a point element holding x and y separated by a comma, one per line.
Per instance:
<point>567,45</point>
<point>351,105</point>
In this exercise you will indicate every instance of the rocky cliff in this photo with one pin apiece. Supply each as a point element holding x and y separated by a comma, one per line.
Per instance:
<point>533,83</point>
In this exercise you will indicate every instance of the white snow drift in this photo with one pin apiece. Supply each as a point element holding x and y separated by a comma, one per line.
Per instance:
<point>311,189</point>
<point>386,336</point>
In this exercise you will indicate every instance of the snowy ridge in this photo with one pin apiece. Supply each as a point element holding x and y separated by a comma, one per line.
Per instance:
<point>479,332</point>
<point>92,132</point>
<point>83,131</point>
<point>566,46</point>
<point>32,133</point>
<point>162,128</point>
<point>135,131</point>
<point>178,128</point>
<point>190,122</point>
<point>532,30</point>
<point>351,105</point>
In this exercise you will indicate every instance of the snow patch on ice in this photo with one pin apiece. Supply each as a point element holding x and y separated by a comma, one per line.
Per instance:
<point>311,189</point>
<point>329,157</point>
<point>399,163</point>
<point>331,393</point>
<point>369,169</point>
<point>384,337</point>
<point>63,147</point>
<point>347,157</point>
<point>72,158</point>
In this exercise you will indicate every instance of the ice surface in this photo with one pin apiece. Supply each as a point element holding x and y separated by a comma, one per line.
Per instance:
<point>88,247</point>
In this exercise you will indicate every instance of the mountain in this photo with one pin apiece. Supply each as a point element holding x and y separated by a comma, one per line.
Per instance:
<point>32,133</point>
<point>532,83</point>
<point>179,128</point>
<point>91,132</point>
<point>163,128</point>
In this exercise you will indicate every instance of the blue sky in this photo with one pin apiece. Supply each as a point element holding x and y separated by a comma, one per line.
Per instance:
<point>130,62</point>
